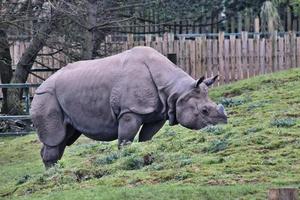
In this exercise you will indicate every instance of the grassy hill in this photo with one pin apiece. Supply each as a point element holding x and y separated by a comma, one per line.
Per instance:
<point>258,149</point>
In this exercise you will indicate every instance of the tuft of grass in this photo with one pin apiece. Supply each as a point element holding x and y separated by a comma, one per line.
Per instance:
<point>216,130</point>
<point>216,146</point>
<point>286,122</point>
<point>231,102</point>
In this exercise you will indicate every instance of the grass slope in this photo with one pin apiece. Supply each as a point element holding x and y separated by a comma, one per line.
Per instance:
<point>258,149</point>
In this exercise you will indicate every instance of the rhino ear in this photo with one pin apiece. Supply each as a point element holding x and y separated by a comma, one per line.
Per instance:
<point>210,81</point>
<point>199,81</point>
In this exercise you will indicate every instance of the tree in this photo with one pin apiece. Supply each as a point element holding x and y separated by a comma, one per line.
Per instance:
<point>5,67</point>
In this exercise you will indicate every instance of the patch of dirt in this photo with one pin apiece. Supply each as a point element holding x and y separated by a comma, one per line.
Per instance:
<point>293,115</point>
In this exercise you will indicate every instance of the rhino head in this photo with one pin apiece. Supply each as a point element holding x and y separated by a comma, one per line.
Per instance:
<point>195,110</point>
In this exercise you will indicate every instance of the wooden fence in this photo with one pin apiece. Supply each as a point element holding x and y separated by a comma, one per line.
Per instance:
<point>48,59</point>
<point>232,56</point>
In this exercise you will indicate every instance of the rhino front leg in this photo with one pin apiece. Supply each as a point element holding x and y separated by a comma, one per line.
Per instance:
<point>129,125</point>
<point>50,155</point>
<point>149,130</point>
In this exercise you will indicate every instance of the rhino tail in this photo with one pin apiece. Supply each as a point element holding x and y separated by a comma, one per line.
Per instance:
<point>47,117</point>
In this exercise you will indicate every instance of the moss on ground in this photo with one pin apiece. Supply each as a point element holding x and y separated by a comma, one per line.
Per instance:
<point>259,148</point>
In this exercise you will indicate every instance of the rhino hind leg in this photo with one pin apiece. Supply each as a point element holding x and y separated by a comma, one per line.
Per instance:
<point>149,130</point>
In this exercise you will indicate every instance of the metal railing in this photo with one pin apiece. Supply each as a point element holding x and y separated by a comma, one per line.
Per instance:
<point>25,87</point>
<point>26,97</point>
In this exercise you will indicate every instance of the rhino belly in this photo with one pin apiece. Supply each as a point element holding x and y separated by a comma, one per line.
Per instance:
<point>89,112</point>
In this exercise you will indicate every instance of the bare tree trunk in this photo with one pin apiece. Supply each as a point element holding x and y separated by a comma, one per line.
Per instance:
<point>90,38</point>
<point>14,103</point>
<point>5,67</point>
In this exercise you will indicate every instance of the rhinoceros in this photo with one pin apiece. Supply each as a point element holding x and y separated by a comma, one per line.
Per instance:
<point>111,98</point>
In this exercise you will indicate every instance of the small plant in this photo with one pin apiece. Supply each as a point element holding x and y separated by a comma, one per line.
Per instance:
<point>216,146</point>
<point>216,130</point>
<point>132,163</point>
<point>253,130</point>
<point>186,161</point>
<point>286,122</point>
<point>230,102</point>
<point>109,159</point>
<point>23,179</point>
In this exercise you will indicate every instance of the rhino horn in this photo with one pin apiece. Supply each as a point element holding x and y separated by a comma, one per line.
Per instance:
<point>210,81</point>
<point>200,80</point>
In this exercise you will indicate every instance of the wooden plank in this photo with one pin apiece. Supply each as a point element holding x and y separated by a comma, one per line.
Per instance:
<point>209,57</point>
<point>215,58</point>
<point>226,61</point>
<point>275,52</point>
<point>182,45</point>
<point>268,54</point>
<point>280,53</point>
<point>170,43</point>
<point>165,44</point>
<point>198,52</point>
<point>148,39</point>
<point>203,46</point>
<point>222,74</point>
<point>251,66</point>
<point>238,69</point>
<point>244,55</point>
<point>256,54</point>
<point>293,49</point>
<point>176,50</point>
<point>187,58</point>
<point>287,51</point>
<point>130,41</point>
<point>262,53</point>
<point>232,59</point>
<point>298,52</point>
<point>193,58</point>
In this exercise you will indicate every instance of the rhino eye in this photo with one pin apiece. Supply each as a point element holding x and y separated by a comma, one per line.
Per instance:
<point>204,111</point>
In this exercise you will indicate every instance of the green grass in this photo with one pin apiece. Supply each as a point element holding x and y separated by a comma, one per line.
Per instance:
<point>258,149</point>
